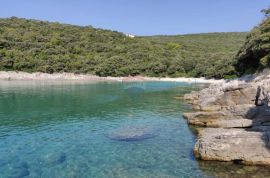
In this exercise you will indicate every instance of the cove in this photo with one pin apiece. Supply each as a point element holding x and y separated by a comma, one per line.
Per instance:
<point>132,129</point>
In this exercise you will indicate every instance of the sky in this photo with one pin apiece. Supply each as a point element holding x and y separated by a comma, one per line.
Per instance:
<point>144,17</point>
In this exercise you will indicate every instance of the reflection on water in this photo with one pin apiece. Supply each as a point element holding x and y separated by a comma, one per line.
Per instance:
<point>114,129</point>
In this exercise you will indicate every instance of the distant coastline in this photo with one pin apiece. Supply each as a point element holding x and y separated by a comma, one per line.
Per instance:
<point>13,75</point>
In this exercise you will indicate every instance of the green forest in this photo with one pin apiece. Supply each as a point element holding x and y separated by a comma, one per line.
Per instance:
<point>254,55</point>
<point>40,46</point>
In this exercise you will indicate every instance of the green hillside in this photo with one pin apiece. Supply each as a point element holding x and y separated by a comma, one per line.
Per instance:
<point>209,54</point>
<point>254,55</point>
<point>31,45</point>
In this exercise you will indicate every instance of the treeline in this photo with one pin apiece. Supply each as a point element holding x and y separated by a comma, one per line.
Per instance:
<point>254,55</point>
<point>32,45</point>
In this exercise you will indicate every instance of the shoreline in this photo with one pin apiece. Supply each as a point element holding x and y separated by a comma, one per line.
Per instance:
<point>38,76</point>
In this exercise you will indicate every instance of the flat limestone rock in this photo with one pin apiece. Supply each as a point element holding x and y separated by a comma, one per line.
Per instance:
<point>206,115</point>
<point>132,133</point>
<point>210,108</point>
<point>232,123</point>
<point>223,119</point>
<point>237,145</point>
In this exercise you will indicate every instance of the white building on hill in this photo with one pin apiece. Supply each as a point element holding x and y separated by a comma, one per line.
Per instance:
<point>129,35</point>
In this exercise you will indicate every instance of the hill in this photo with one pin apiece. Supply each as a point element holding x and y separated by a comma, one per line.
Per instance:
<point>208,55</point>
<point>254,55</point>
<point>32,45</point>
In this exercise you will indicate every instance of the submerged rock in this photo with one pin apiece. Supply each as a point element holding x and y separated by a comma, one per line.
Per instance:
<point>132,133</point>
<point>16,170</point>
<point>54,158</point>
<point>135,90</point>
<point>19,173</point>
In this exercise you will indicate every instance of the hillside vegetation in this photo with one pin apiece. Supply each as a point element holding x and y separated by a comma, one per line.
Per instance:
<point>208,55</point>
<point>254,55</point>
<point>32,45</point>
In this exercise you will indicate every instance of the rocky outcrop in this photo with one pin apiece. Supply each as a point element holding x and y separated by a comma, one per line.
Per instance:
<point>235,145</point>
<point>238,115</point>
<point>230,116</point>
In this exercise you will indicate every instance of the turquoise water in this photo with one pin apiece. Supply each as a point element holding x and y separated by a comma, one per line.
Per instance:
<point>101,130</point>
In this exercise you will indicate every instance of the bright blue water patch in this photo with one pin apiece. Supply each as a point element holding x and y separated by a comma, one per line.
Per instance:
<point>100,130</point>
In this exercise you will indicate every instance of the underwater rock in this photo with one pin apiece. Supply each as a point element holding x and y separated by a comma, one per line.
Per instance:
<point>135,92</point>
<point>132,133</point>
<point>224,119</point>
<point>18,170</point>
<point>19,173</point>
<point>54,158</point>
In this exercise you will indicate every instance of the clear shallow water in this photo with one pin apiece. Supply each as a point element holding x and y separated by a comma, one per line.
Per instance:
<point>65,130</point>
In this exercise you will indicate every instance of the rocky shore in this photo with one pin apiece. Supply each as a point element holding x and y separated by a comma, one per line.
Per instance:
<point>234,120</point>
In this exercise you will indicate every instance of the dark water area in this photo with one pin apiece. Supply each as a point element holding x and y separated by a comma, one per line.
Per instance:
<point>102,130</point>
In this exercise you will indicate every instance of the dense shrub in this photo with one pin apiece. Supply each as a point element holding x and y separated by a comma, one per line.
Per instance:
<point>32,45</point>
<point>255,53</point>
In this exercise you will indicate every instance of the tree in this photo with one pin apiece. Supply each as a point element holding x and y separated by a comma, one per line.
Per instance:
<point>266,12</point>
<point>254,55</point>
